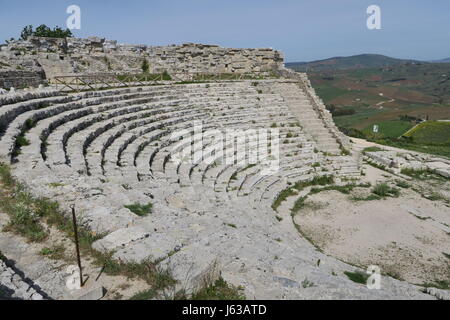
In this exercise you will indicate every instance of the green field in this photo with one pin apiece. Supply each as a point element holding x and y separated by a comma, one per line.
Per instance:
<point>367,90</point>
<point>328,93</point>
<point>352,120</point>
<point>391,129</point>
<point>435,132</point>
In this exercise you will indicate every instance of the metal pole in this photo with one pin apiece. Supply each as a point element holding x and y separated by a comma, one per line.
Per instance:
<point>75,229</point>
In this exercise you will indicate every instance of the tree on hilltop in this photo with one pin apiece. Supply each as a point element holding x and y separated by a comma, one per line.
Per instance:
<point>44,31</point>
<point>26,32</point>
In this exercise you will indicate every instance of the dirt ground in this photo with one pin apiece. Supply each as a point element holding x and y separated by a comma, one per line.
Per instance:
<point>408,236</point>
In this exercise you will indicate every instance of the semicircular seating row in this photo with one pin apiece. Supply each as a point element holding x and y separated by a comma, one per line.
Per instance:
<point>108,149</point>
<point>123,135</point>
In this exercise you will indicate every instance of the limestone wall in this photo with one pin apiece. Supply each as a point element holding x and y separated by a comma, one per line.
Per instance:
<point>20,79</point>
<point>93,55</point>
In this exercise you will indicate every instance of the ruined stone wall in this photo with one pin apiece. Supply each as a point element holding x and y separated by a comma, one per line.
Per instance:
<point>20,79</point>
<point>95,55</point>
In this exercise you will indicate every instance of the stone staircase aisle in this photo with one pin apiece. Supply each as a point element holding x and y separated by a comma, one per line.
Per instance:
<point>308,118</point>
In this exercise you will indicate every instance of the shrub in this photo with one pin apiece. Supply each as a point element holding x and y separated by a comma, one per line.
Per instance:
<point>139,209</point>
<point>402,184</point>
<point>166,76</point>
<point>358,276</point>
<point>307,284</point>
<point>21,141</point>
<point>24,221</point>
<point>384,190</point>
<point>145,66</point>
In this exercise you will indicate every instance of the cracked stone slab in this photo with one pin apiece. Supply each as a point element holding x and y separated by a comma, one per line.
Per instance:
<point>120,238</point>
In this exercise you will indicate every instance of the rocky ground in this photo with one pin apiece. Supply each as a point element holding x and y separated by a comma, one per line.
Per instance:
<point>407,236</point>
<point>14,286</point>
<point>40,271</point>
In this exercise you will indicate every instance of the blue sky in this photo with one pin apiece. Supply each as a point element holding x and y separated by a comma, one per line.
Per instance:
<point>303,29</point>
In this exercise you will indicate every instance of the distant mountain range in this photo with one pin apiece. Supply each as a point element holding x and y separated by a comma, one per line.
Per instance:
<point>442,61</point>
<point>355,62</point>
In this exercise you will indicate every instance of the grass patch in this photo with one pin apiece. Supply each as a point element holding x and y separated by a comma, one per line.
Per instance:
<point>139,209</point>
<point>371,197</point>
<point>431,132</point>
<point>23,219</point>
<point>21,141</point>
<point>384,190</point>
<point>434,196</point>
<point>282,197</point>
<point>307,284</point>
<point>148,294</point>
<point>372,149</point>
<point>402,184</point>
<point>300,203</point>
<point>147,270</point>
<point>54,253</point>
<point>422,174</point>
<point>358,276</point>
<point>346,189</point>
<point>28,215</point>
<point>219,290</point>
<point>300,185</point>
<point>5,176</point>
<point>56,185</point>
<point>438,284</point>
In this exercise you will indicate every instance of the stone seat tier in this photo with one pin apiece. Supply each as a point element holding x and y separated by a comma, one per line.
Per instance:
<point>36,112</point>
<point>8,113</point>
<point>109,150</point>
<point>28,96</point>
<point>160,102</point>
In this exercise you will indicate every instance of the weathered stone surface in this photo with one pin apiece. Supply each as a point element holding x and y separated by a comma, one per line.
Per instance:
<point>105,150</point>
<point>55,57</point>
<point>395,160</point>
<point>13,286</point>
<point>439,294</point>
<point>120,238</point>
<point>91,294</point>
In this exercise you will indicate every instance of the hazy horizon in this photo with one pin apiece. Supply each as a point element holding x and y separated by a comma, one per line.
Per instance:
<point>302,30</point>
<point>371,53</point>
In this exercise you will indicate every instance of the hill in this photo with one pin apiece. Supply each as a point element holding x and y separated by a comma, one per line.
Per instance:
<point>447,60</point>
<point>352,62</point>
<point>431,132</point>
<point>395,98</point>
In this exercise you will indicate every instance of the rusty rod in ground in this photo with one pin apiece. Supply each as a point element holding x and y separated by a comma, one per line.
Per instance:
<point>75,230</point>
